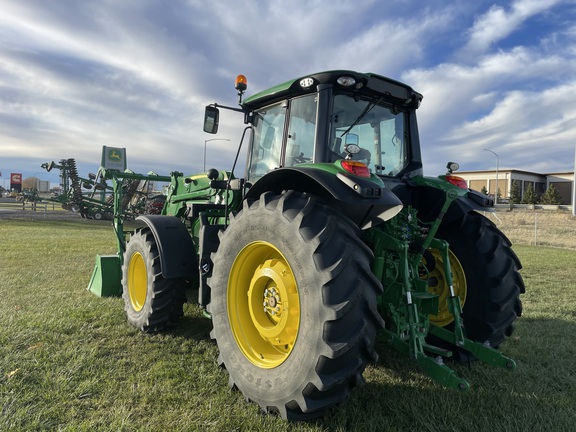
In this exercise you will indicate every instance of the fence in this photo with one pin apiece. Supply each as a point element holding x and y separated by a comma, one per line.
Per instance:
<point>537,225</point>
<point>38,207</point>
<point>552,226</point>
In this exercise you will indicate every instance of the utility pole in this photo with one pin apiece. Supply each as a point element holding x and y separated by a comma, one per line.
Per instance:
<point>497,165</point>
<point>205,141</point>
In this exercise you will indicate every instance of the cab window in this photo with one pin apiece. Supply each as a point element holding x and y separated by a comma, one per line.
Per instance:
<point>268,132</point>
<point>301,130</point>
<point>377,129</point>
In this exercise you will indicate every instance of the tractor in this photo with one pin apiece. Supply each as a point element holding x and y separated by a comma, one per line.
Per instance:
<point>331,237</point>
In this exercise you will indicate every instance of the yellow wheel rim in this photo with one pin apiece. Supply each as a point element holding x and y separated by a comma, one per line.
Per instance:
<point>263,304</point>
<point>439,286</point>
<point>137,281</point>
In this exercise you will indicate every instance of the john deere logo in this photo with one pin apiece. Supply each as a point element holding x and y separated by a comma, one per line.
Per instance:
<point>114,158</point>
<point>114,155</point>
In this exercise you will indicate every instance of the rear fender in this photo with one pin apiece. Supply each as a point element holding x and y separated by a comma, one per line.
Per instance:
<point>177,254</point>
<point>365,202</point>
<point>429,198</point>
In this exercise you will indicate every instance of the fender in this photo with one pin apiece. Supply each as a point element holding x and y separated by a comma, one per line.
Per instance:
<point>428,199</point>
<point>177,254</point>
<point>364,201</point>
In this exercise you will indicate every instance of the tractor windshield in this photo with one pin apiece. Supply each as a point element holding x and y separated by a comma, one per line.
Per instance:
<point>298,117</point>
<point>376,128</point>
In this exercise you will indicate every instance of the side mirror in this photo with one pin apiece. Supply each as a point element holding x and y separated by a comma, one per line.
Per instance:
<point>211,119</point>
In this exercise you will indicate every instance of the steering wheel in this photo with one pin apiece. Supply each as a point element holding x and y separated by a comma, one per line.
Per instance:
<point>299,159</point>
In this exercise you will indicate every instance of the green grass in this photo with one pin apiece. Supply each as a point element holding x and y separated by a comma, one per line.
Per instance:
<point>69,361</point>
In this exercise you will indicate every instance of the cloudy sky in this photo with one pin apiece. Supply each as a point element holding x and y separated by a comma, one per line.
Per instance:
<point>79,74</point>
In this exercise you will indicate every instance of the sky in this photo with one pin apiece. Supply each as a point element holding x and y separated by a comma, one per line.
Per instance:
<point>76,75</point>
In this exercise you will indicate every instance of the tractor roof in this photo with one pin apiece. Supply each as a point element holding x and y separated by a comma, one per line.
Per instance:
<point>367,84</point>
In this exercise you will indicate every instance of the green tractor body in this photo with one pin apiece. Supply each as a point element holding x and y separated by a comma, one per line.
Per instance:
<point>331,236</point>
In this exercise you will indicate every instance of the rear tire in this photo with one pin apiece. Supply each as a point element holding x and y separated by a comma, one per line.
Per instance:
<point>151,302</point>
<point>493,283</point>
<point>293,305</point>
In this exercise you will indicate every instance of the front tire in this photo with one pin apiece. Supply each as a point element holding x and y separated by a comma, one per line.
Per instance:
<point>293,305</point>
<point>151,302</point>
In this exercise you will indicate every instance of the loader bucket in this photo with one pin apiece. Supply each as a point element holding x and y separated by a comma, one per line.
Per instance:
<point>106,277</point>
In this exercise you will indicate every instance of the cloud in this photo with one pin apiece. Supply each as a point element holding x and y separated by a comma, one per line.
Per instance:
<point>498,23</point>
<point>78,75</point>
<point>137,75</point>
<point>551,115</point>
<point>458,88</point>
<point>502,99</point>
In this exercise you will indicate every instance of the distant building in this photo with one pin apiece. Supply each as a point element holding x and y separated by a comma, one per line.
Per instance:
<point>43,185</point>
<point>562,181</point>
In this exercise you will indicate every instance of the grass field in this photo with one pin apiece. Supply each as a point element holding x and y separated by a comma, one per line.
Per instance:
<point>69,361</point>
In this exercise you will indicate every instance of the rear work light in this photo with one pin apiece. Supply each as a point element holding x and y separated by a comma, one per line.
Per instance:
<point>456,181</point>
<point>346,81</point>
<point>306,82</point>
<point>359,169</point>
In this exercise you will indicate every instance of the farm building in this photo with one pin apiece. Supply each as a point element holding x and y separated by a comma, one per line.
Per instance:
<point>562,181</point>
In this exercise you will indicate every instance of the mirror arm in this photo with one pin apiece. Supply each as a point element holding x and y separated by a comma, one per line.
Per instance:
<point>230,108</point>
<point>248,117</point>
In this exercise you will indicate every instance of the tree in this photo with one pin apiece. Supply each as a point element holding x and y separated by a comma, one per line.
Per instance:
<point>529,196</point>
<point>551,196</point>
<point>498,194</point>
<point>484,190</point>
<point>515,195</point>
<point>30,183</point>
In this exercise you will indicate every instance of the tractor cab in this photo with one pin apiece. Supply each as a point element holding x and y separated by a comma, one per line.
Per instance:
<point>329,116</point>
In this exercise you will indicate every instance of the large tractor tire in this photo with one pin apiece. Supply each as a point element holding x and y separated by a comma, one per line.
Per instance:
<point>293,305</point>
<point>151,302</point>
<point>486,277</point>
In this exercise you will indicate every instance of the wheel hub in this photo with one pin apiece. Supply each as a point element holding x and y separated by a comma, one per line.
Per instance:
<point>264,306</point>
<point>271,301</point>
<point>274,283</point>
